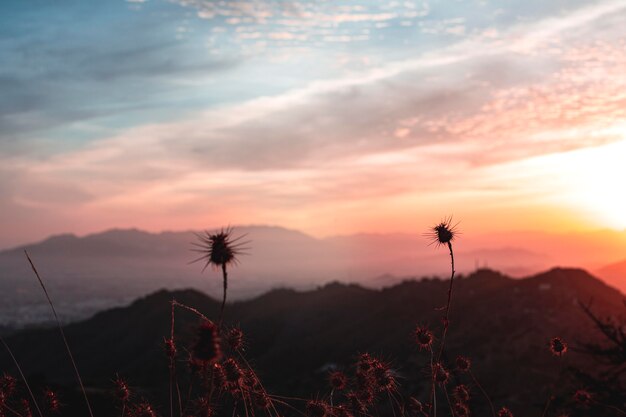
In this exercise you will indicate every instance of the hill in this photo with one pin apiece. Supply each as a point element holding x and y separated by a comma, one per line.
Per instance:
<point>294,336</point>
<point>103,270</point>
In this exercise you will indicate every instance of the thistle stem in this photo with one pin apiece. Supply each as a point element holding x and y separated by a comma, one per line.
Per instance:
<point>482,390</point>
<point>446,320</point>
<point>67,346</point>
<point>225,274</point>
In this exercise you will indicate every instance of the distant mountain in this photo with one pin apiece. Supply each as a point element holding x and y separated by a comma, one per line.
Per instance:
<point>98,271</point>
<point>503,324</point>
<point>614,274</point>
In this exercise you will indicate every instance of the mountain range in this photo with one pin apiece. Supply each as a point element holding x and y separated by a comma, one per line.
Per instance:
<point>90,273</point>
<point>293,337</point>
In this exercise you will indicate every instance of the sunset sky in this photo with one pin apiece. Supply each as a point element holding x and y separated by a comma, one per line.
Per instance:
<point>330,117</point>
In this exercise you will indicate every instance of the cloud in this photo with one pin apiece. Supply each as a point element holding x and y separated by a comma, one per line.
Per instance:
<point>98,67</point>
<point>435,124</point>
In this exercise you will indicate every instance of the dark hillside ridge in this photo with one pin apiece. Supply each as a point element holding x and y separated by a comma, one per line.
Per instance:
<point>292,336</point>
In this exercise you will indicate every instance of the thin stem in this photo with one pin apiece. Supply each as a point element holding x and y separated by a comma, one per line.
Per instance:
<point>67,346</point>
<point>171,341</point>
<point>12,410</point>
<point>480,387</point>
<point>193,310</point>
<point>433,390</point>
<point>446,320</point>
<point>225,275</point>
<point>19,369</point>
<point>553,387</point>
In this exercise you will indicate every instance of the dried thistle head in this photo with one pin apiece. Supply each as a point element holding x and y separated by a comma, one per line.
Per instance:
<point>461,409</point>
<point>342,411</point>
<point>207,347</point>
<point>7,385</point>
<point>170,348</point>
<point>262,401</point>
<point>423,337</point>
<point>143,409</point>
<point>461,393</point>
<point>440,374</point>
<point>235,339</point>
<point>443,233</point>
<point>557,346</point>
<point>26,409</point>
<point>121,389</point>
<point>463,364</point>
<point>51,400</point>
<point>583,397</point>
<point>219,248</point>
<point>232,370</point>
<point>505,412</point>
<point>317,409</point>
<point>338,380</point>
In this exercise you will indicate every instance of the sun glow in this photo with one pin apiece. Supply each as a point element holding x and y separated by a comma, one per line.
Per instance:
<point>594,179</point>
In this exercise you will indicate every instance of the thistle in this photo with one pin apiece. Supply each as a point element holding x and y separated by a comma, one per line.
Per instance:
<point>443,234</point>
<point>423,337</point>
<point>463,364</point>
<point>505,412</point>
<point>558,347</point>
<point>207,347</point>
<point>219,249</point>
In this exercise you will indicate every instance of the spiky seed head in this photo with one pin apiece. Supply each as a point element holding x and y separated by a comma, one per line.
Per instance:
<point>251,380</point>
<point>364,363</point>
<point>461,393</point>
<point>423,337</point>
<point>234,337</point>
<point>7,384</point>
<point>219,376</point>
<point>338,380</point>
<point>557,346</point>
<point>463,363</point>
<point>170,348</point>
<point>461,409</point>
<point>583,397</point>
<point>505,412</point>
<point>51,400</point>
<point>443,233</point>
<point>207,347</point>
<point>316,409</point>
<point>356,405</point>
<point>440,374</point>
<point>121,389</point>
<point>219,248</point>
<point>366,394</point>
<point>262,401</point>
<point>143,409</point>
<point>233,372</point>
<point>342,411</point>
<point>383,377</point>
<point>26,410</point>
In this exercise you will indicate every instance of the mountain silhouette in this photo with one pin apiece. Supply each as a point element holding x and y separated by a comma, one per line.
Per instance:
<point>103,270</point>
<point>293,337</point>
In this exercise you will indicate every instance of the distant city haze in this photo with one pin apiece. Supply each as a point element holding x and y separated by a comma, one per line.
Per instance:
<point>89,273</point>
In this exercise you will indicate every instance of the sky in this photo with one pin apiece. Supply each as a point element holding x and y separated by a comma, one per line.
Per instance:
<point>331,117</point>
